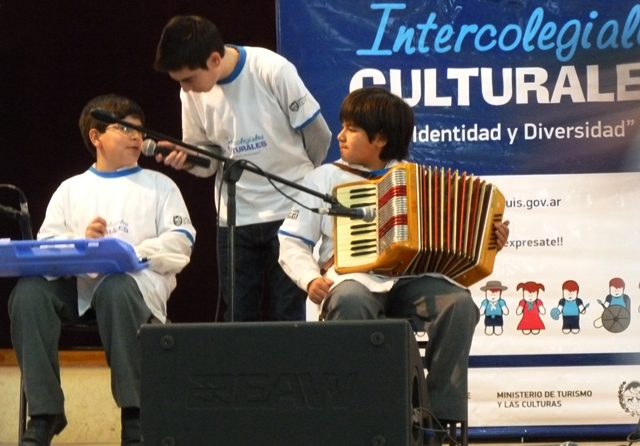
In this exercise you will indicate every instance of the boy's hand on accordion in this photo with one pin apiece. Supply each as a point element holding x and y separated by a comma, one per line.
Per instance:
<point>318,289</point>
<point>502,233</point>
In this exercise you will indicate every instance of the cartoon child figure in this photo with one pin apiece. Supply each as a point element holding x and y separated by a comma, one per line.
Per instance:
<point>617,308</point>
<point>616,294</point>
<point>530,307</point>
<point>493,306</point>
<point>570,307</point>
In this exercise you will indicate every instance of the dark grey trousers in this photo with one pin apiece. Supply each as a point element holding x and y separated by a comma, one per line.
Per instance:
<point>445,311</point>
<point>38,308</point>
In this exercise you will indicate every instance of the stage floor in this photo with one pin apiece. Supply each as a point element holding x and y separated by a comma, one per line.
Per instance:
<point>608,443</point>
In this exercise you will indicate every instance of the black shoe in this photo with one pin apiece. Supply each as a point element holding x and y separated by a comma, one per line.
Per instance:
<point>131,435</point>
<point>131,431</point>
<point>42,428</point>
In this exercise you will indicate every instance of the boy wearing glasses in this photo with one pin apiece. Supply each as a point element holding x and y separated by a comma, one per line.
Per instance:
<point>113,198</point>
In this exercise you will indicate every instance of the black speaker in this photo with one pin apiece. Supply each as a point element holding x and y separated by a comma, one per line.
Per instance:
<point>282,383</point>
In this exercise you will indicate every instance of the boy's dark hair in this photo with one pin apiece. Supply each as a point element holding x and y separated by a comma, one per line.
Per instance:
<point>378,111</point>
<point>187,41</point>
<point>120,106</point>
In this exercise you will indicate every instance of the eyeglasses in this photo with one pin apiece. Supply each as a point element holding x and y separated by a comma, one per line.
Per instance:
<point>127,130</point>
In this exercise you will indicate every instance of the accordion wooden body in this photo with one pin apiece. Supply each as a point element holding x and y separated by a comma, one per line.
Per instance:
<point>428,219</point>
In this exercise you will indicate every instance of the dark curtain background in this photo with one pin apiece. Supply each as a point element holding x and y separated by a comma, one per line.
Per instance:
<point>57,55</point>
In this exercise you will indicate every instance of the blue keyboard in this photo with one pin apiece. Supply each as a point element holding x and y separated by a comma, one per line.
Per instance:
<point>67,257</point>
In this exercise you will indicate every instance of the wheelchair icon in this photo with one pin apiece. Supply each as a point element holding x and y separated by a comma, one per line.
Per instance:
<point>615,318</point>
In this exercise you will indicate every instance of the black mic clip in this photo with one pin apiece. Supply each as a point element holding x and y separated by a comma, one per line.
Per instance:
<point>367,214</point>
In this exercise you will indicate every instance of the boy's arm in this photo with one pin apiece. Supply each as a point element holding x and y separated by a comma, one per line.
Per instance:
<point>170,251</point>
<point>303,111</point>
<point>297,260</point>
<point>317,137</point>
<point>299,234</point>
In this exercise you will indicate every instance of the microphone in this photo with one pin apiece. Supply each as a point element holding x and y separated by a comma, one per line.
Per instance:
<point>105,116</point>
<point>366,214</point>
<point>150,148</point>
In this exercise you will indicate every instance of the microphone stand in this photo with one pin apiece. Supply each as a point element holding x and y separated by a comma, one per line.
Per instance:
<point>22,215</point>
<point>232,171</point>
<point>231,175</point>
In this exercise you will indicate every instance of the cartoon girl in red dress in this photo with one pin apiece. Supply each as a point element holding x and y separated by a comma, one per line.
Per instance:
<point>530,307</point>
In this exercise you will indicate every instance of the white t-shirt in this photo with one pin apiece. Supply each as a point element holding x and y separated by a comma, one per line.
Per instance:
<point>139,206</point>
<point>254,115</point>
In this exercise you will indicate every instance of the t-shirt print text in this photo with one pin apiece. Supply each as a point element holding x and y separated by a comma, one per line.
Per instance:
<point>247,145</point>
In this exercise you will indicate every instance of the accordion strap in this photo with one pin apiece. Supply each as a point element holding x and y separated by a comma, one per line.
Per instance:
<point>362,173</point>
<point>328,264</point>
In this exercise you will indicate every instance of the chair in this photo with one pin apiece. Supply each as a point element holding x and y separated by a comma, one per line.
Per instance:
<point>464,433</point>
<point>22,216</point>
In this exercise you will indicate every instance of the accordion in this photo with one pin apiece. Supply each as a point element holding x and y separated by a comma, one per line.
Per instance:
<point>428,220</point>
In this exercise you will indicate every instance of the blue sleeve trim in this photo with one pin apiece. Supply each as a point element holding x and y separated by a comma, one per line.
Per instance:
<point>187,234</point>
<point>116,174</point>
<point>307,242</point>
<point>305,123</point>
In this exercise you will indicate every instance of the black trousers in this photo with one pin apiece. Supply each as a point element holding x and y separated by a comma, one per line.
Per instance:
<point>445,311</point>
<point>38,308</point>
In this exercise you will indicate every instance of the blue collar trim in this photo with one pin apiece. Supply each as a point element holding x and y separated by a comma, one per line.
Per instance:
<point>238,68</point>
<point>117,173</point>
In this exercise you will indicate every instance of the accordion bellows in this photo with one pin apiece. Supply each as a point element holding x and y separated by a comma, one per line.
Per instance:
<point>428,220</point>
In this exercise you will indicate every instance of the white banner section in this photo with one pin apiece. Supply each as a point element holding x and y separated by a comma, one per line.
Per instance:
<point>552,396</point>
<point>559,315</point>
<point>578,229</point>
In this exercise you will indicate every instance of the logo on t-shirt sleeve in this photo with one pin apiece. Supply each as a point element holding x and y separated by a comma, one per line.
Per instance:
<point>181,220</point>
<point>297,104</point>
<point>293,214</point>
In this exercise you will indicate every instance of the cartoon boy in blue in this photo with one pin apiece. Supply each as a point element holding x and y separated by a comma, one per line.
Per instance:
<point>493,306</point>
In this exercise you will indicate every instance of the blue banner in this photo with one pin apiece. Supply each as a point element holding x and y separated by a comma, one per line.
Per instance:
<point>518,87</point>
